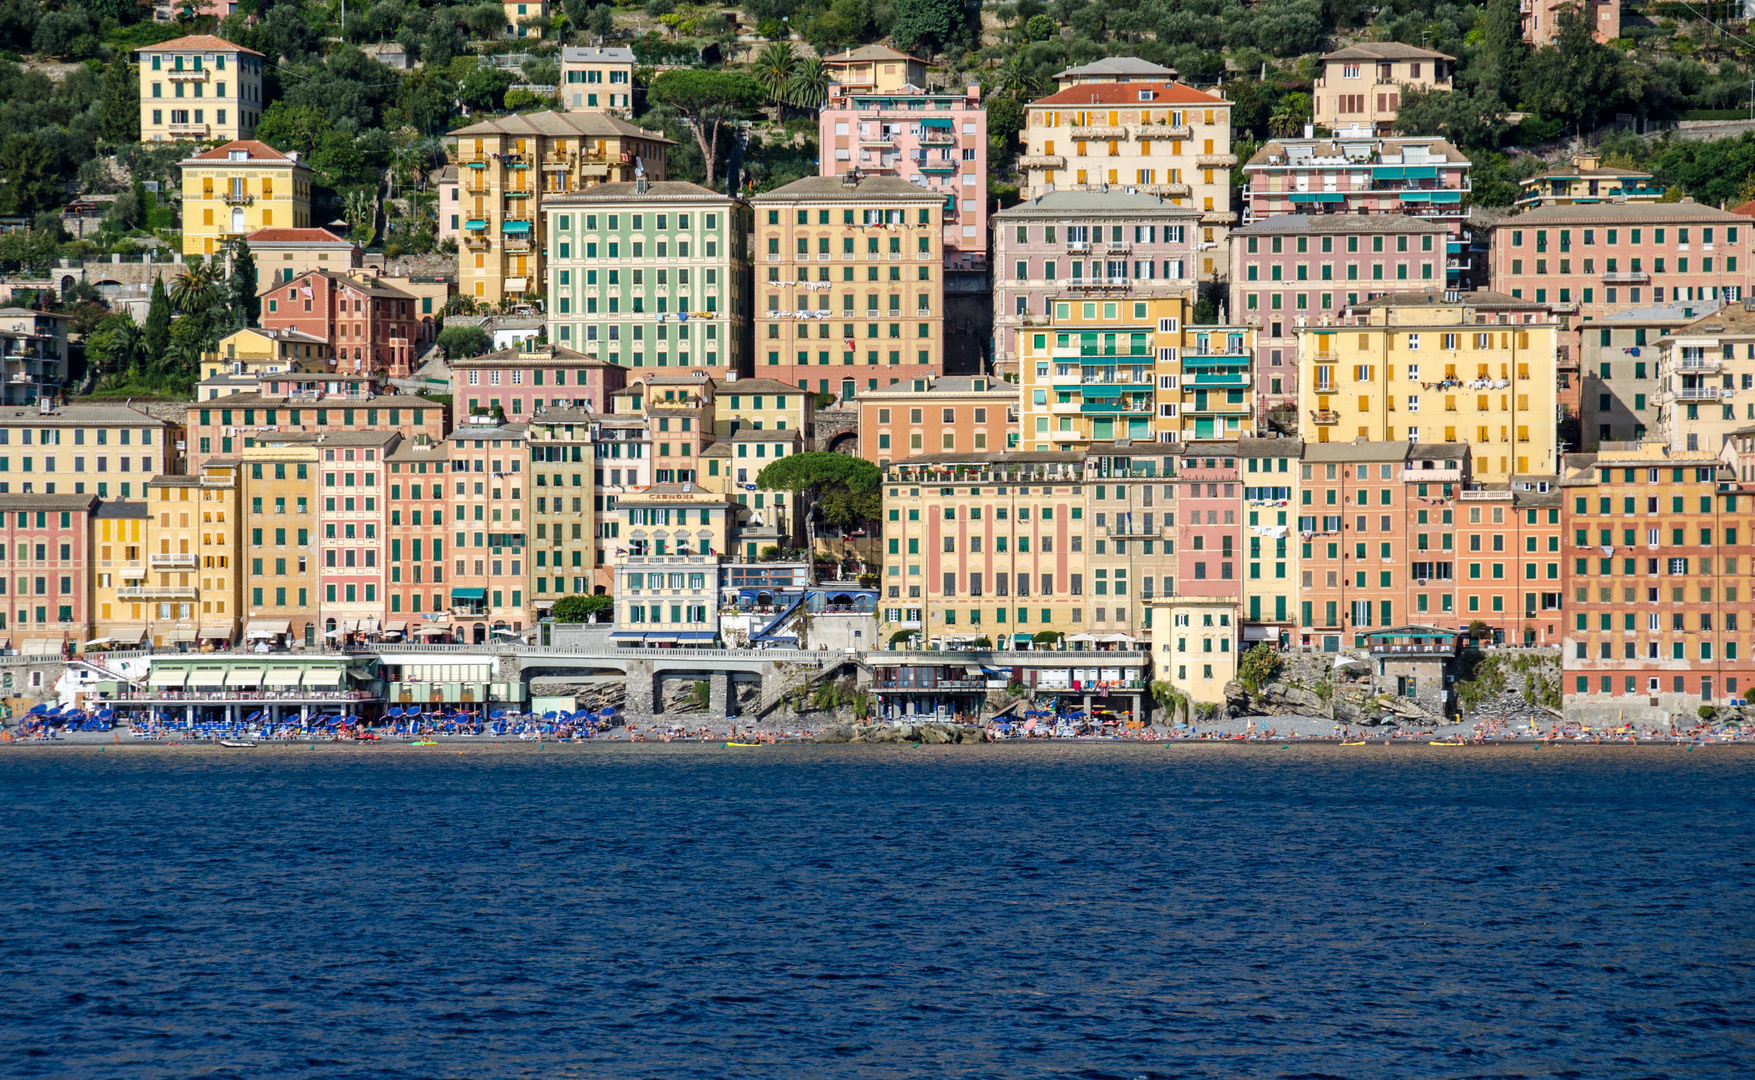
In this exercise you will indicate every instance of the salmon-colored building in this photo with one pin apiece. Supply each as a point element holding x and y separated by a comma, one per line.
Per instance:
<point>947,415</point>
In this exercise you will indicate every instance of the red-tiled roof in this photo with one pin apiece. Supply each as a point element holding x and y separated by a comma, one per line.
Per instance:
<point>198,43</point>
<point>259,151</point>
<point>1747,209</point>
<point>1129,94</point>
<point>293,236</point>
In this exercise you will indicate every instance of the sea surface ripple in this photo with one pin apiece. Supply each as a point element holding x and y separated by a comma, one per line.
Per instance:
<point>1008,911</point>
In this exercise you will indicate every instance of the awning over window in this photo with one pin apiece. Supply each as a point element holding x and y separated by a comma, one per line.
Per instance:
<point>210,676</point>
<point>511,227</point>
<point>1447,196</point>
<point>41,647</point>
<point>168,677</point>
<point>475,223</point>
<point>261,628</point>
<point>695,635</point>
<point>213,631</point>
<point>181,633</point>
<point>244,677</point>
<point>469,594</point>
<point>322,677</point>
<point>1093,392</point>
<point>938,122</point>
<point>282,677</point>
<point>1317,197</point>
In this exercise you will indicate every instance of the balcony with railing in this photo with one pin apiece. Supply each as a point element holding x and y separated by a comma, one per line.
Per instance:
<point>1116,408</point>
<point>1625,277</point>
<point>186,74</point>
<point>1041,161</point>
<point>176,561</point>
<point>1232,380</point>
<point>1163,131</point>
<point>1103,283</point>
<point>1102,132</point>
<point>1701,393</point>
<point>238,198</point>
<point>1325,416</point>
<point>158,592</point>
<point>199,130</point>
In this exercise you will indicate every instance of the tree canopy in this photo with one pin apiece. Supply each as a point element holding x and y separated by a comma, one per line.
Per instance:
<point>846,490</point>
<point>706,101</point>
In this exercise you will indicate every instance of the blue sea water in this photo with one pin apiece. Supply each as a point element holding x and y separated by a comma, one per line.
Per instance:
<point>799,911</point>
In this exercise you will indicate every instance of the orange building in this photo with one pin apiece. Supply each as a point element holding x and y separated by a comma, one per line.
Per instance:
<point>1378,533</point>
<point>1656,574</point>
<point>947,415</point>
<point>415,593</point>
<point>487,531</point>
<point>1508,572</point>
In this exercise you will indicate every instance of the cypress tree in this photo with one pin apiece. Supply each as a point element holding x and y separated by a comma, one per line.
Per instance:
<point>245,305</point>
<point>158,324</point>
<point>119,114</point>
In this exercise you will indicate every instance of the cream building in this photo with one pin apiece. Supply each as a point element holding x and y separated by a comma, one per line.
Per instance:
<point>505,168</point>
<point>235,189</point>
<point>1438,367</point>
<point>1114,69</point>
<point>598,78</point>
<point>118,561</point>
<point>521,12</point>
<point>1165,139</point>
<point>193,89</point>
<point>1195,645</point>
<point>284,254</point>
<point>1362,84</point>
<point>1706,380</point>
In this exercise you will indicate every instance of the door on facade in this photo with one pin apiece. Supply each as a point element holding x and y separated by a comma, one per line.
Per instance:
<point>1203,429</point>
<point>238,219</point>
<point>1200,401</point>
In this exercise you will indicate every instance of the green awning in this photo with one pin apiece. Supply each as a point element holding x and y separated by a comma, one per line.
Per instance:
<point>1447,196</point>
<point>1414,196</point>
<point>1422,172</point>
<point>1092,392</point>
<point>1388,172</point>
<point>515,227</point>
<point>1317,197</point>
<point>938,122</point>
<point>469,594</point>
<point>475,223</point>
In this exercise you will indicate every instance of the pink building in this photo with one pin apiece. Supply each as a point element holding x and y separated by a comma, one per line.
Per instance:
<point>936,141</point>
<point>1541,22</point>
<point>351,514</point>
<point>48,611</point>
<point>1209,526</point>
<point>521,381</point>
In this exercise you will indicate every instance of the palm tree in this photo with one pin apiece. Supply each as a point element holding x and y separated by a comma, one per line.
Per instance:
<point>774,67</point>
<point>195,288</point>
<point>808,86</point>
<point>1015,77</point>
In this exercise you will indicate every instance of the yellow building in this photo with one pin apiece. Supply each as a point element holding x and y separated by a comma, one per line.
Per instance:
<point>119,533</point>
<point>1438,367</point>
<point>194,582</point>
<point>1133,369</point>
<point>849,282</point>
<point>526,18</point>
<point>199,88</point>
<point>762,405</point>
<point>506,165</point>
<point>1586,180</point>
<point>1166,139</point>
<point>243,357</point>
<point>876,69</point>
<point>235,189</point>
<point>1195,645</point>
<point>963,561</point>
<point>279,474</point>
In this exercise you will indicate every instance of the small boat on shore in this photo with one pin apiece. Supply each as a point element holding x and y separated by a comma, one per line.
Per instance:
<point>1446,742</point>
<point>744,744</point>
<point>236,745</point>
<point>425,742</point>
<point>1357,742</point>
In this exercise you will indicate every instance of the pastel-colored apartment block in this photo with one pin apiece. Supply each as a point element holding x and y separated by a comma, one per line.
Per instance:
<point>936,141</point>
<point>598,78</point>
<point>199,88</point>
<point>238,188</point>
<point>1362,84</point>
